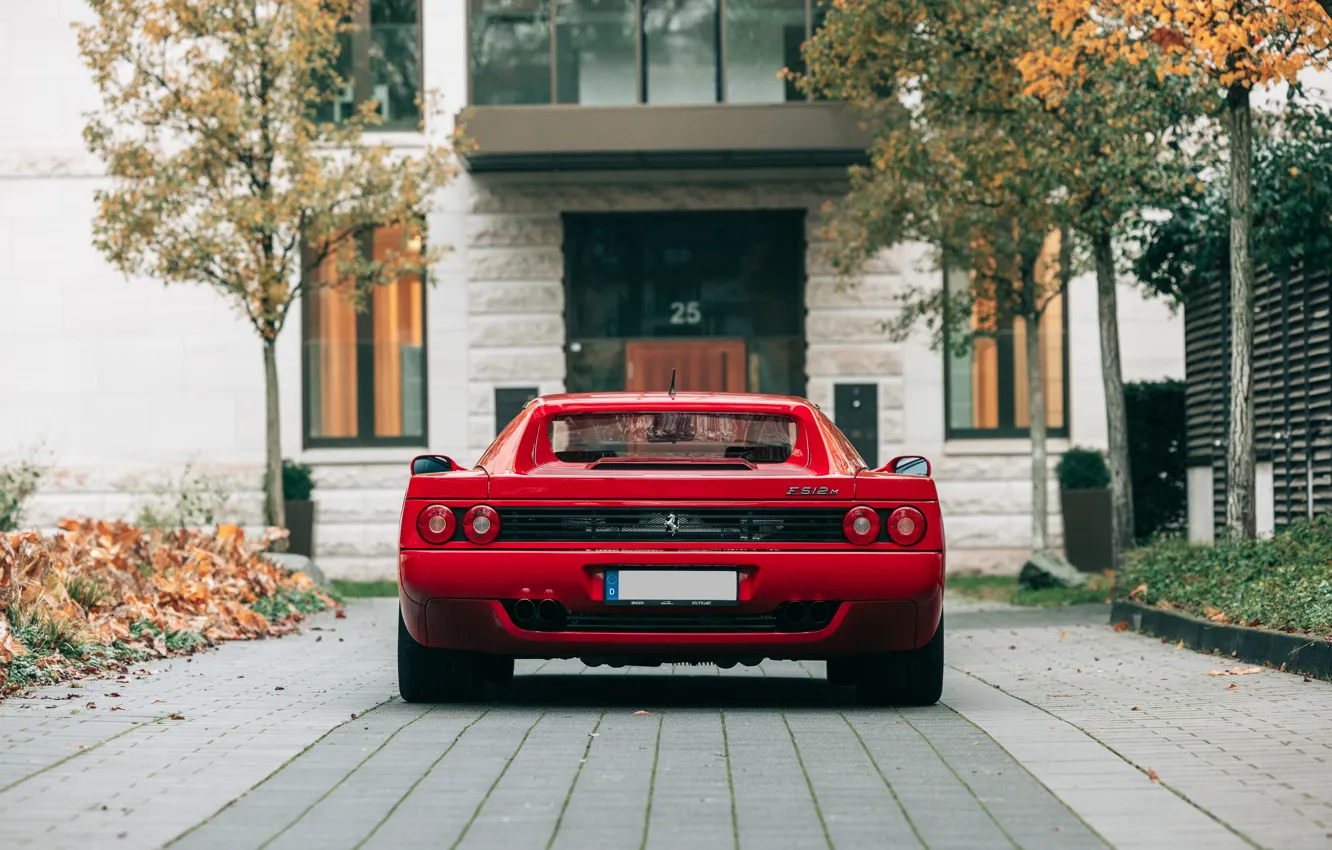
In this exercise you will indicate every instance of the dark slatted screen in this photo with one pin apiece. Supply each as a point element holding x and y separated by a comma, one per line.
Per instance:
<point>1292,388</point>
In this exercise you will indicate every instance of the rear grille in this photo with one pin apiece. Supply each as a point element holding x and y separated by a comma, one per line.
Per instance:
<point>683,525</point>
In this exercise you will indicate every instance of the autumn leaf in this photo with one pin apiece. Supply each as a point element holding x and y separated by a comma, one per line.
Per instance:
<point>1122,625</point>
<point>1236,671</point>
<point>174,716</point>
<point>1151,774</point>
<point>1232,687</point>
<point>642,712</point>
<point>1139,591</point>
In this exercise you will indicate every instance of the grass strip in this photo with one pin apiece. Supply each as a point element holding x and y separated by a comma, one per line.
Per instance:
<point>365,589</point>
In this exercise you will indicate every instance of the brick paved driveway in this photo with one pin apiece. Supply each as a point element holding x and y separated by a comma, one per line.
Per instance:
<point>1037,744</point>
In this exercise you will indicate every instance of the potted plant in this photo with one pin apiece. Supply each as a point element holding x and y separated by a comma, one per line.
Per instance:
<point>297,484</point>
<point>1084,499</point>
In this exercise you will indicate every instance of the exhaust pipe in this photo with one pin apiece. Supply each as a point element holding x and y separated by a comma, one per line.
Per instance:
<point>795,612</point>
<point>524,610</point>
<point>818,613</point>
<point>548,610</point>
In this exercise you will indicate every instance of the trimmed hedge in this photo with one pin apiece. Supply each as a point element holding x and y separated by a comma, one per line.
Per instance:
<point>1282,583</point>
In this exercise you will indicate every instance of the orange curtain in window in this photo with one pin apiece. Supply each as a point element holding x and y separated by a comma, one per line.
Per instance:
<point>398,324</point>
<point>984,371</point>
<point>332,338</point>
<point>1052,346</point>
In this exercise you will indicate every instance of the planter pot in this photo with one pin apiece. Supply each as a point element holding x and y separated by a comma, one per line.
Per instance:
<point>1088,529</point>
<point>300,522</point>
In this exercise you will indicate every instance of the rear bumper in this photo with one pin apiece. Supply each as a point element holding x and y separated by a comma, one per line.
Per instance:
<point>889,601</point>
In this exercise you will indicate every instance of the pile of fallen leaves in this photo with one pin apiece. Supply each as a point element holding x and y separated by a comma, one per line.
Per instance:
<point>101,595</point>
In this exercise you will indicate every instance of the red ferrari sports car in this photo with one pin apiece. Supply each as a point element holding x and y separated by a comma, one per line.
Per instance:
<point>651,528</point>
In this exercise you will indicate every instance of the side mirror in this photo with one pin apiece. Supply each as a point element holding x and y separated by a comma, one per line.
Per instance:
<point>909,465</point>
<point>426,464</point>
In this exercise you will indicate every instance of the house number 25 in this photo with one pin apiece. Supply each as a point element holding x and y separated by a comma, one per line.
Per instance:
<point>685,313</point>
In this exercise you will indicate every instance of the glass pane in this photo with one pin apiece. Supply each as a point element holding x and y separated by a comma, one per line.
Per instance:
<point>395,73</point>
<point>596,60</point>
<point>762,38</point>
<point>586,437</point>
<point>1052,367</point>
<point>339,109</point>
<point>680,48</point>
<point>510,52</point>
<point>331,356</point>
<point>393,12</point>
<point>399,349</point>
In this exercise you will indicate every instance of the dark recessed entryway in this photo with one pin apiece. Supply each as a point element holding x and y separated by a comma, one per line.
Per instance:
<point>716,296</point>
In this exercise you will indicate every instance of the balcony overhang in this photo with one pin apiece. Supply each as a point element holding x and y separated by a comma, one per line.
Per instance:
<point>609,138</point>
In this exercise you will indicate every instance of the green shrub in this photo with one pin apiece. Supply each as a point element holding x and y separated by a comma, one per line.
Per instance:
<point>1083,469</point>
<point>1158,456</point>
<point>18,481</point>
<point>195,500</point>
<point>297,482</point>
<point>1284,582</point>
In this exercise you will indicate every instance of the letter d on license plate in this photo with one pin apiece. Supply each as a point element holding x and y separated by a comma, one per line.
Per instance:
<point>699,588</point>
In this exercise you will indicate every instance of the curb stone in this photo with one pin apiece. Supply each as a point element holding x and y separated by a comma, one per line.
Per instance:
<point>1293,653</point>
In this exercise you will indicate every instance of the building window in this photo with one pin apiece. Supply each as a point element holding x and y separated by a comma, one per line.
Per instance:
<point>619,52</point>
<point>364,369</point>
<point>986,387</point>
<point>380,60</point>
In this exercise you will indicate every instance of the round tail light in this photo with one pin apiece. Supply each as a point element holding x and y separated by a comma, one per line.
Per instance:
<point>861,525</point>
<point>481,524</point>
<point>906,526</point>
<point>435,524</point>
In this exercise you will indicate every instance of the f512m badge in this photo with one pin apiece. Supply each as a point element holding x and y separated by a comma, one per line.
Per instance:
<point>811,491</point>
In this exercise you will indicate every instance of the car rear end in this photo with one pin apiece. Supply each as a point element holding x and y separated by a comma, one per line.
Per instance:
<point>674,532</point>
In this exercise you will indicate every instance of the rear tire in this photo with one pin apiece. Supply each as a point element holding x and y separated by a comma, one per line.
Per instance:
<point>842,672</point>
<point>909,677</point>
<point>498,669</point>
<point>436,675</point>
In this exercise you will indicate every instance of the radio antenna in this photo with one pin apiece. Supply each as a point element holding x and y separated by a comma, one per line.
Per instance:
<point>671,391</point>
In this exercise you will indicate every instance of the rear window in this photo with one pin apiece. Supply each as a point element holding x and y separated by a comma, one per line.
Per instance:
<point>589,437</point>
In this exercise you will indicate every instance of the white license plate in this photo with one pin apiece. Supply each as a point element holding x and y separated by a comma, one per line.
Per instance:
<point>685,588</point>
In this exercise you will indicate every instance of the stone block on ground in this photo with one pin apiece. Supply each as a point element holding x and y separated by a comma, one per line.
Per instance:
<point>294,563</point>
<point>1049,569</point>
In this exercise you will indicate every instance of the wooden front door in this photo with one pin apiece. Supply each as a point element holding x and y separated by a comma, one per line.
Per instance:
<point>701,365</point>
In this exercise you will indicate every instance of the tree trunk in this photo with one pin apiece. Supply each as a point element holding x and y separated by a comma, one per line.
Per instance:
<point>276,503</point>
<point>1040,471</point>
<point>1241,512</point>
<point>1112,377</point>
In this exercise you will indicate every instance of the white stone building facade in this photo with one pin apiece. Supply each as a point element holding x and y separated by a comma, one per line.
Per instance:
<point>120,383</point>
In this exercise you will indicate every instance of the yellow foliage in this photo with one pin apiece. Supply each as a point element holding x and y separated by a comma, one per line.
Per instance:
<point>1246,43</point>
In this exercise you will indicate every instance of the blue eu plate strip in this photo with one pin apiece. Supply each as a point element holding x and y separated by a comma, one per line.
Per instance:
<point>612,585</point>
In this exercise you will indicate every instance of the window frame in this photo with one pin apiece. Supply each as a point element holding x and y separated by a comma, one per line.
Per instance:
<point>365,377</point>
<point>1003,431</point>
<point>640,52</point>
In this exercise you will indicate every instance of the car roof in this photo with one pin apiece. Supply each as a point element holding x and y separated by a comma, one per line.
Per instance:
<point>743,402</point>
